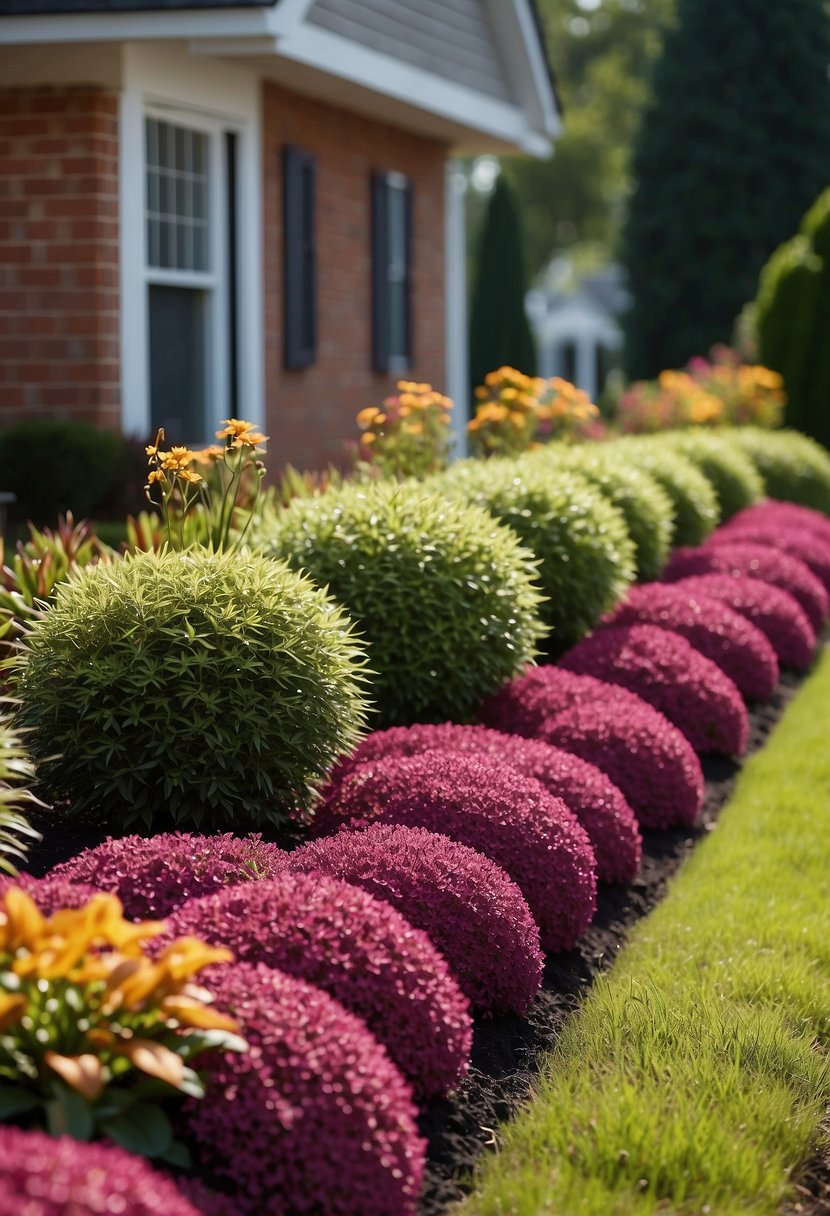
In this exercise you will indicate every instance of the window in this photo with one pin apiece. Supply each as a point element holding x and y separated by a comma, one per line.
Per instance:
<point>391,273</point>
<point>299,285</point>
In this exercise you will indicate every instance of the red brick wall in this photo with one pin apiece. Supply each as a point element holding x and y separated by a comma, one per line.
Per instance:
<point>59,349</point>
<point>310,413</point>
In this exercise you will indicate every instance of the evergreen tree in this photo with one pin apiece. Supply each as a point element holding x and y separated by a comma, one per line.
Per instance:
<point>733,147</point>
<point>499,329</point>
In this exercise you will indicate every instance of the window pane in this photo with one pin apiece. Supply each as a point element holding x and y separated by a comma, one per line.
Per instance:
<point>177,362</point>
<point>177,192</point>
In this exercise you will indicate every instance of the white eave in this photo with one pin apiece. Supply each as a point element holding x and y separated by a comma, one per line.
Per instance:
<point>280,45</point>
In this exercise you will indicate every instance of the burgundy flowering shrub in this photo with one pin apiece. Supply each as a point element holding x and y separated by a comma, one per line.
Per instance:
<point>793,514</point>
<point>359,950</point>
<point>746,558</point>
<point>776,613</point>
<point>153,876</point>
<point>641,751</point>
<point>44,1176</point>
<point>468,907</point>
<point>491,808</point>
<point>728,639</point>
<point>783,538</point>
<point>50,893</point>
<point>314,1117</point>
<point>523,704</point>
<point>666,670</point>
<point>596,802</point>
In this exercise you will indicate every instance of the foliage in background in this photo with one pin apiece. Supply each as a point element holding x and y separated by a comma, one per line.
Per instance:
<point>94,1034</point>
<point>734,477</point>
<point>514,412</point>
<point>17,775</point>
<point>692,495</point>
<point>409,436</point>
<point>733,147</point>
<point>793,466</point>
<point>188,689</point>
<point>500,333</point>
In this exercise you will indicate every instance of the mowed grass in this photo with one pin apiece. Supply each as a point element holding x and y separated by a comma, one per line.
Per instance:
<point>696,1076</point>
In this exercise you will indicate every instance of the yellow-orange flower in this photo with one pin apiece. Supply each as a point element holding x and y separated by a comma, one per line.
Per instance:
<point>83,1073</point>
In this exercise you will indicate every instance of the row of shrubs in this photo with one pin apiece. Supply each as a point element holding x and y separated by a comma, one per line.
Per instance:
<point>485,848</point>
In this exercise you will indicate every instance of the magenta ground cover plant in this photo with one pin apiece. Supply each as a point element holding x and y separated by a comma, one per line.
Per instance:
<point>749,559</point>
<point>524,703</point>
<point>783,537</point>
<point>50,893</point>
<point>665,670</point>
<point>775,612</point>
<point>597,803</point>
<point>314,1117</point>
<point>490,807</point>
<point>774,510</point>
<point>359,950</point>
<point>153,876</point>
<point>739,649</point>
<point>45,1176</point>
<point>470,909</point>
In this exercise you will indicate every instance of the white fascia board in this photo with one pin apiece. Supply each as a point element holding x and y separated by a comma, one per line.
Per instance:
<point>519,42</point>
<point>379,73</point>
<point>123,27</point>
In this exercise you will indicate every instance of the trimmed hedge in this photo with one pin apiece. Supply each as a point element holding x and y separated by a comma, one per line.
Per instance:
<point>734,477</point>
<point>793,466</point>
<point>522,706</point>
<point>468,907</point>
<point>741,651</point>
<point>443,594</point>
<point>493,809</point>
<point>314,1117</point>
<point>773,511</point>
<point>360,951</point>
<point>747,558</point>
<point>154,876</point>
<point>784,538</point>
<point>666,670</point>
<point>695,504</point>
<point>598,805</point>
<point>51,892</point>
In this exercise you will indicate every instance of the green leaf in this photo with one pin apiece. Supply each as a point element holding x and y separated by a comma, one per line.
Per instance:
<point>68,1114</point>
<point>142,1129</point>
<point>15,1100</point>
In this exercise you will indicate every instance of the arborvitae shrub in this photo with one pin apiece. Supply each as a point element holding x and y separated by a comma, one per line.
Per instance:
<point>444,596</point>
<point>741,651</point>
<point>647,757</point>
<point>645,506</point>
<point>734,477</point>
<point>586,556</point>
<point>793,466</point>
<point>491,808</point>
<point>776,613</point>
<point>41,1175</point>
<point>468,907</point>
<point>152,877</point>
<point>598,805</point>
<point>782,538</point>
<point>314,1117</point>
<point>665,670</point>
<point>785,316</point>
<point>359,950</point>
<point>755,561</point>
<point>196,687</point>
<point>696,510</point>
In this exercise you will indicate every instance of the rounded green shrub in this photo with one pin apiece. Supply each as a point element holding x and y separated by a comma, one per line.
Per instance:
<point>696,510</point>
<point>444,596</point>
<point>193,689</point>
<point>645,506</point>
<point>585,553</point>
<point>735,479</point>
<point>794,467</point>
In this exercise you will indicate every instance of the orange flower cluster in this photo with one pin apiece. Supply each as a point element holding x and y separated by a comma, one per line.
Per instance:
<point>81,1002</point>
<point>409,435</point>
<point>515,412</point>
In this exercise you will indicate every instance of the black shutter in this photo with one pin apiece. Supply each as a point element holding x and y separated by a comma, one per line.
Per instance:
<point>408,292</point>
<point>380,273</point>
<point>299,269</point>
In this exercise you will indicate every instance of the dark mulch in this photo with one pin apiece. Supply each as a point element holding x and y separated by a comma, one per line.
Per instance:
<point>812,1190</point>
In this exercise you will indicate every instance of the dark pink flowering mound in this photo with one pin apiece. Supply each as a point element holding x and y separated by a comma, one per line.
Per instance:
<point>773,510</point>
<point>468,907</point>
<point>666,670</point>
<point>596,802</point>
<point>490,807</point>
<point>741,651</point>
<point>314,1117</point>
<point>43,1176</point>
<point>152,877</point>
<point>50,893</point>
<point>783,538</point>
<point>523,704</point>
<point>776,613</point>
<point>754,561</point>
<point>356,948</point>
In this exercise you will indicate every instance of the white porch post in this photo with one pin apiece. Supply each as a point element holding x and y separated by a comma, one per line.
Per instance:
<point>455,295</point>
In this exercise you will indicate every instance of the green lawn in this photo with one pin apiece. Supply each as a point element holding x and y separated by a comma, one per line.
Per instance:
<point>695,1077</point>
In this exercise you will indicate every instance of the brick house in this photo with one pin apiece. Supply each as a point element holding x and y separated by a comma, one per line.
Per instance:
<point>246,207</point>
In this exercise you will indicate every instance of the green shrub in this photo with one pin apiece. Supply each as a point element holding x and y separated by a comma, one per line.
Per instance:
<point>645,506</point>
<point>17,774</point>
<point>586,556</point>
<point>193,689</point>
<point>793,466</point>
<point>443,595</point>
<point>733,475</point>
<point>696,510</point>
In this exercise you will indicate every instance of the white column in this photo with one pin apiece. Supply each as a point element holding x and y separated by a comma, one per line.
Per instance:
<point>455,297</point>
<point>586,364</point>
